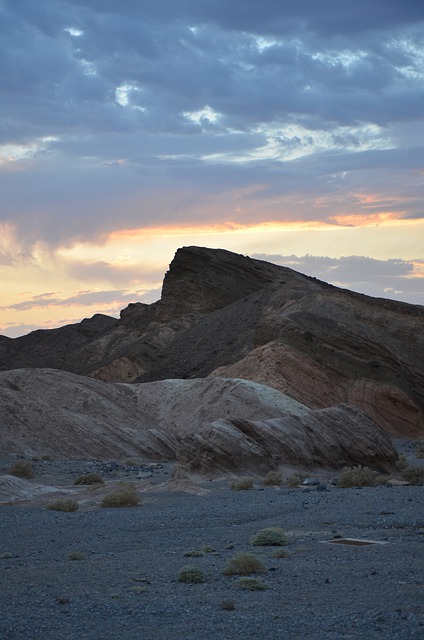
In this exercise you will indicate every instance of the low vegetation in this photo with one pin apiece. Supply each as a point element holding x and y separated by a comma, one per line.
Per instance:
<point>270,537</point>
<point>76,555</point>
<point>22,469</point>
<point>414,475</point>
<point>124,496</point>
<point>251,584</point>
<point>272,479</point>
<point>402,462</point>
<point>68,505</point>
<point>89,478</point>
<point>359,477</point>
<point>242,484</point>
<point>294,480</point>
<point>228,604</point>
<point>243,565</point>
<point>280,553</point>
<point>192,574</point>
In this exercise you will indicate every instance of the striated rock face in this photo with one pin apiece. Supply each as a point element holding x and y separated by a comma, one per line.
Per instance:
<point>330,438</point>
<point>216,425</point>
<point>226,315</point>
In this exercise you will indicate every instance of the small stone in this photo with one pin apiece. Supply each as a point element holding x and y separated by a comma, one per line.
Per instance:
<point>311,482</point>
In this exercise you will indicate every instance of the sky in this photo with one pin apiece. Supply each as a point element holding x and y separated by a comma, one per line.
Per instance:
<point>289,131</point>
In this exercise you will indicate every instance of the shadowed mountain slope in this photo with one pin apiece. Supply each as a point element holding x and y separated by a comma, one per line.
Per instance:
<point>228,315</point>
<point>217,424</point>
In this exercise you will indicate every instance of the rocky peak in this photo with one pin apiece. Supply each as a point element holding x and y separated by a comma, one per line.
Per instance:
<point>202,280</point>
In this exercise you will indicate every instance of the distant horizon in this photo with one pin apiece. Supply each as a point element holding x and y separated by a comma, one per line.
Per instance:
<point>278,260</point>
<point>290,130</point>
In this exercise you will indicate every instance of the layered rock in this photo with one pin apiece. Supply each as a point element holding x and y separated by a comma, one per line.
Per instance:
<point>214,425</point>
<point>228,315</point>
<point>327,438</point>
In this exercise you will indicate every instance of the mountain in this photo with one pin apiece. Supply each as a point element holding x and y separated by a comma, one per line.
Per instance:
<point>209,426</point>
<point>227,315</point>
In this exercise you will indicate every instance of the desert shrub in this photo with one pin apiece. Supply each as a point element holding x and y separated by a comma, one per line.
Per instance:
<point>402,462</point>
<point>359,477</point>
<point>228,604</point>
<point>89,478</point>
<point>192,574</point>
<point>243,565</point>
<point>124,496</point>
<point>270,537</point>
<point>6,556</point>
<point>280,553</point>
<point>194,553</point>
<point>242,484</point>
<point>63,504</point>
<point>294,480</point>
<point>272,479</point>
<point>208,549</point>
<point>414,475</point>
<point>130,462</point>
<point>251,584</point>
<point>76,555</point>
<point>419,450</point>
<point>22,469</point>
<point>138,589</point>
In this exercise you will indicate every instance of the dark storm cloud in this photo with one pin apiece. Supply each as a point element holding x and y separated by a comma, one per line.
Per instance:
<point>106,106</point>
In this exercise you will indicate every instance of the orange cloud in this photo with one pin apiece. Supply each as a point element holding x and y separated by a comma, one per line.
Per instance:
<point>224,227</point>
<point>371,219</point>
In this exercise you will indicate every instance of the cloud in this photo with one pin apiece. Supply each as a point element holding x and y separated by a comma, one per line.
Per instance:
<point>150,115</point>
<point>123,274</point>
<point>394,278</point>
<point>85,299</point>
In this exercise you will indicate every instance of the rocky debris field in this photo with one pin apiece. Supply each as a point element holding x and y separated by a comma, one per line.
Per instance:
<point>103,573</point>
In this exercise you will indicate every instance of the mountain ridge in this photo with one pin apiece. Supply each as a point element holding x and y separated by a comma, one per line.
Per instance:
<point>224,314</point>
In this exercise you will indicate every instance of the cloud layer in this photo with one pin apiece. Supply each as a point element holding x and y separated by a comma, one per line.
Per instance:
<point>124,115</point>
<point>143,117</point>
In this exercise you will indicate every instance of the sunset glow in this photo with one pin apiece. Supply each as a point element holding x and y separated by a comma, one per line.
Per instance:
<point>288,132</point>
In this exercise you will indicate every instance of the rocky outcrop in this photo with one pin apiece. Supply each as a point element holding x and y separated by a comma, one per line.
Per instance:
<point>328,438</point>
<point>223,314</point>
<point>51,412</point>
<point>215,425</point>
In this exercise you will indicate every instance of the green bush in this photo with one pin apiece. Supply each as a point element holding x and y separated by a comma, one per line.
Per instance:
<point>89,478</point>
<point>272,479</point>
<point>124,496</point>
<point>192,574</point>
<point>75,555</point>
<point>243,565</point>
<point>294,480</point>
<point>22,469</point>
<point>242,484</point>
<point>270,537</point>
<point>414,475</point>
<point>359,477</point>
<point>63,504</point>
<point>252,584</point>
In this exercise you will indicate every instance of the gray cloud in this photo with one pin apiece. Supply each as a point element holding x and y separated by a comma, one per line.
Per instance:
<point>117,298</point>
<point>395,278</point>
<point>101,108</point>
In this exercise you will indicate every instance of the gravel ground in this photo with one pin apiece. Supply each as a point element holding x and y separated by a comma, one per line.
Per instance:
<point>319,591</point>
<point>125,584</point>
